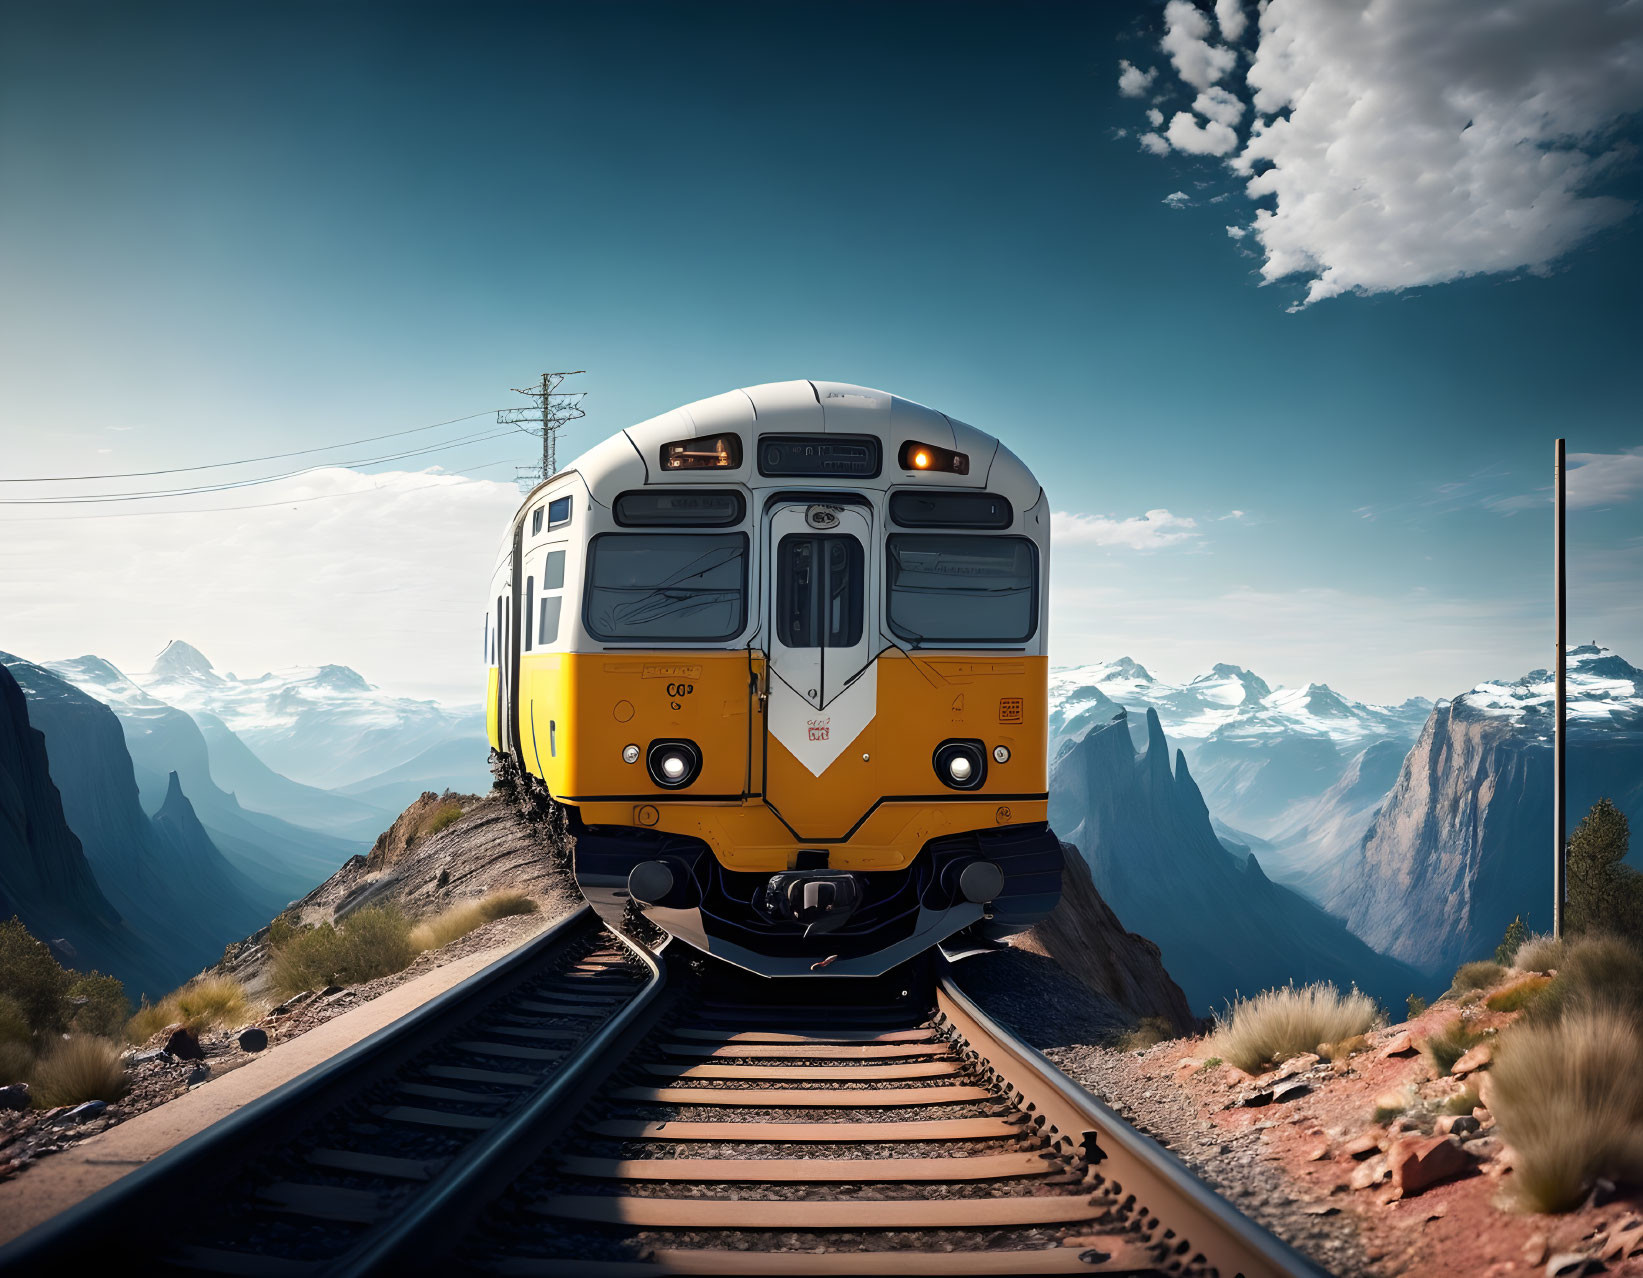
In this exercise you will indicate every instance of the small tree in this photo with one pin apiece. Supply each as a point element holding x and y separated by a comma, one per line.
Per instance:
<point>1517,932</point>
<point>1604,894</point>
<point>31,976</point>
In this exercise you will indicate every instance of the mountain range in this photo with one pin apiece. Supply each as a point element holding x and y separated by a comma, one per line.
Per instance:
<point>142,836</point>
<point>1223,926</point>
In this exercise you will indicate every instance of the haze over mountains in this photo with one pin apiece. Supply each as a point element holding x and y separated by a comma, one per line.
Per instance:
<point>1426,828</point>
<point>144,836</point>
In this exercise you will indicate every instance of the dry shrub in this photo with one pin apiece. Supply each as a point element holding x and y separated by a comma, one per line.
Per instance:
<point>16,1062</point>
<point>1519,994</point>
<point>1277,1024</point>
<point>460,919</point>
<point>1568,1096</point>
<point>1152,1031</point>
<point>441,818</point>
<point>1481,975</point>
<point>1540,953</point>
<point>206,1003</point>
<point>1604,972</point>
<point>79,1068</point>
<point>1343,1049</point>
<point>1447,1044</point>
<point>371,942</point>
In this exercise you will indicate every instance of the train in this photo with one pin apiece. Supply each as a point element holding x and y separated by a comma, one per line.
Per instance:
<point>778,657</point>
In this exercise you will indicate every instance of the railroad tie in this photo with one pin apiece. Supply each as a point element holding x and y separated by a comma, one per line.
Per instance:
<point>818,1133</point>
<point>1095,1256</point>
<point>805,1170</point>
<point>805,1051</point>
<point>807,1213</point>
<point>802,1073</point>
<point>808,1097</point>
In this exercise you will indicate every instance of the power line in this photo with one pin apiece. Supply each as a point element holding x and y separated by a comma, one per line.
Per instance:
<point>244,461</point>
<point>552,410</point>
<point>266,505</point>
<point>97,498</point>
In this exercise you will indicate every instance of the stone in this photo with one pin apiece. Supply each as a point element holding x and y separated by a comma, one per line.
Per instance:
<point>1625,1240</point>
<point>1486,1090</point>
<point>1291,1091</point>
<point>1484,1117</point>
<point>1320,1209</point>
<point>1402,1045</point>
<point>1395,1102</point>
<point>1361,1147</point>
<point>199,1074</point>
<point>1483,1148</point>
<point>1255,1100</point>
<point>1419,1162</point>
<point>1602,1192</point>
<point>86,1111</point>
<point>1572,1264</point>
<point>254,1039</point>
<point>143,1058</point>
<point>1474,1059</point>
<point>184,1045</point>
<point>14,1096</point>
<point>1370,1173</point>
<point>1456,1125</point>
<point>1535,1248</point>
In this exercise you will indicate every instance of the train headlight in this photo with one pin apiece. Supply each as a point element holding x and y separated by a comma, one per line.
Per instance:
<point>673,764</point>
<point>960,765</point>
<point>630,754</point>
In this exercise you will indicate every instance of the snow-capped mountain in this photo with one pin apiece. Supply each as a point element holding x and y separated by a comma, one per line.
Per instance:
<point>1459,846</point>
<point>323,726</point>
<point>1257,751</point>
<point>1604,692</point>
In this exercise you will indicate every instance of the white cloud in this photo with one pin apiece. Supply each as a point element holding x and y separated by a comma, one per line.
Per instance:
<point>1134,82</point>
<point>1213,138</point>
<point>1231,18</point>
<point>1196,61</point>
<point>1216,103</point>
<point>1604,479</point>
<point>1236,232</point>
<point>1153,143</point>
<point>1155,117</point>
<point>1178,200</point>
<point>1151,531</point>
<point>386,573</point>
<point>1404,143</point>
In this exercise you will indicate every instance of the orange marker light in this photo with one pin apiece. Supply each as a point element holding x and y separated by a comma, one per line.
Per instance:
<point>921,460</point>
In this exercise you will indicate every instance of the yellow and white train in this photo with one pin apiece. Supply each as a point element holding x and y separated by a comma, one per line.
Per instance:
<point>779,656</point>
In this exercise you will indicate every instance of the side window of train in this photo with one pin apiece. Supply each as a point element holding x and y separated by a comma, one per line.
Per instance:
<point>558,512</point>
<point>553,580</point>
<point>530,595</point>
<point>536,521</point>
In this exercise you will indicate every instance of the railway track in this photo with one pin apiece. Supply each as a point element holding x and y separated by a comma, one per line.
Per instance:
<point>704,1123</point>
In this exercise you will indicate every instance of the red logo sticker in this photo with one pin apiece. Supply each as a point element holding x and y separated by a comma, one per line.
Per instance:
<point>818,729</point>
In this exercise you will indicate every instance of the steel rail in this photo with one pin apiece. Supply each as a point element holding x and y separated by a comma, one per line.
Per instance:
<point>1186,1218</point>
<point>486,1167</point>
<point>136,1206</point>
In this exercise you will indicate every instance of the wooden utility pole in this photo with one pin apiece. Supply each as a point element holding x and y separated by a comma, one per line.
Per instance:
<point>1560,756</point>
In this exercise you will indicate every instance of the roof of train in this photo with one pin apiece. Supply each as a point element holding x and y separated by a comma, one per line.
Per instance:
<point>631,457</point>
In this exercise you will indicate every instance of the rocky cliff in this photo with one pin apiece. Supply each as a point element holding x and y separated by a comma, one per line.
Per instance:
<point>1222,927</point>
<point>1086,938</point>
<point>45,878</point>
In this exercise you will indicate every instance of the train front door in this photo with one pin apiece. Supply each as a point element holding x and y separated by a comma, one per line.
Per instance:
<point>821,675</point>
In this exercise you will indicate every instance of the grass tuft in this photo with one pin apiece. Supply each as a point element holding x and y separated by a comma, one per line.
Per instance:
<point>1277,1024</point>
<point>1519,994</point>
<point>1447,1044</point>
<point>1152,1031</point>
<point>79,1068</point>
<point>16,1062</point>
<point>1568,1097</point>
<point>1478,976</point>
<point>208,1003</point>
<point>1540,953</point>
<point>458,920</point>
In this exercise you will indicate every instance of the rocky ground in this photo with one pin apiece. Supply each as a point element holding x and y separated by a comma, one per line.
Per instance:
<point>488,848</point>
<point>1301,1150</point>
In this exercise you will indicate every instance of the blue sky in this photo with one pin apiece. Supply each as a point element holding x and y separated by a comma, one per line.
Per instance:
<point>233,231</point>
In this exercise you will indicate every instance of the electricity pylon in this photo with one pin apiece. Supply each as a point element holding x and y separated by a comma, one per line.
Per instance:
<point>550,411</point>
